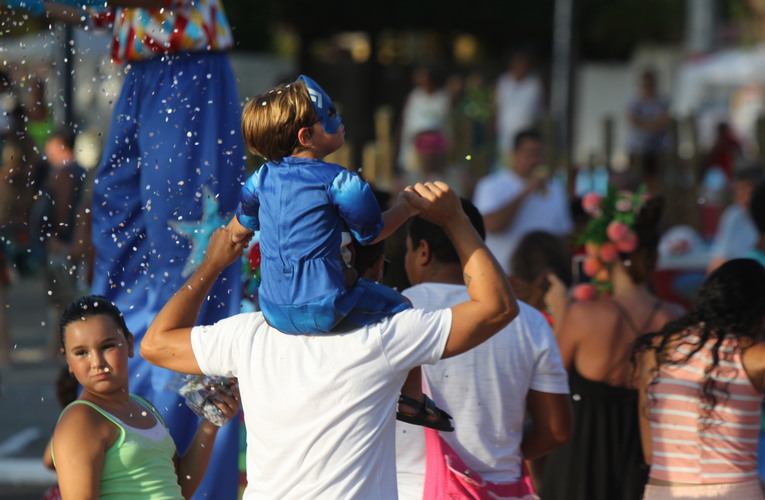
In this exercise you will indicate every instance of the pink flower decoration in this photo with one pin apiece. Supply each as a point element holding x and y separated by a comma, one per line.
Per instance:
<point>603,276</point>
<point>585,291</point>
<point>591,204</point>
<point>591,266</point>
<point>253,256</point>
<point>624,205</point>
<point>609,252</point>
<point>617,231</point>
<point>628,244</point>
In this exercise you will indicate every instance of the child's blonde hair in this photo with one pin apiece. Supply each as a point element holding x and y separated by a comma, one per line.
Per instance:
<point>271,121</point>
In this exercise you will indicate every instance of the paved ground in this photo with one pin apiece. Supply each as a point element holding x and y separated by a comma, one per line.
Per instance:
<point>28,406</point>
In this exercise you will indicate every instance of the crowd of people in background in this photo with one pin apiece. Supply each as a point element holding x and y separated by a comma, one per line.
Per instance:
<point>582,395</point>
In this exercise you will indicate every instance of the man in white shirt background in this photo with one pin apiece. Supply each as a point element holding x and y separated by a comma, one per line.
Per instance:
<point>521,198</point>
<point>487,390</point>
<point>518,98</point>
<point>736,233</point>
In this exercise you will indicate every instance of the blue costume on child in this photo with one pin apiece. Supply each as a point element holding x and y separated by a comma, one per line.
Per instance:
<point>301,207</point>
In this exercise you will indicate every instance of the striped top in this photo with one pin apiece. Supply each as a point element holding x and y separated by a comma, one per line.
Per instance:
<point>694,445</point>
<point>180,26</point>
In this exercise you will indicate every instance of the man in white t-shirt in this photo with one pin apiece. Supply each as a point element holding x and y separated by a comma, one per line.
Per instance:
<point>319,410</point>
<point>518,96</point>
<point>519,199</point>
<point>487,389</point>
<point>736,233</point>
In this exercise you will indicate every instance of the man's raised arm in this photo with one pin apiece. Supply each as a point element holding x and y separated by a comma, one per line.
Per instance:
<point>167,342</point>
<point>492,303</point>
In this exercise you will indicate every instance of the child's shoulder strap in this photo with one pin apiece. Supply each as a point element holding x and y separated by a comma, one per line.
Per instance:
<point>100,410</point>
<point>150,406</point>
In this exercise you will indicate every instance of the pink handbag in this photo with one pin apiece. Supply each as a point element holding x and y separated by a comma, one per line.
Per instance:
<point>447,477</point>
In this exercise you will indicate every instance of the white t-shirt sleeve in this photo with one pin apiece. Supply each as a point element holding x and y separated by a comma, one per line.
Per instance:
<point>494,192</point>
<point>549,375</point>
<point>416,337</point>
<point>218,347</point>
<point>734,237</point>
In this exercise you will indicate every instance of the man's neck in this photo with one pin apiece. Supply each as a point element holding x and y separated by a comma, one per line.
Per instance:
<point>448,273</point>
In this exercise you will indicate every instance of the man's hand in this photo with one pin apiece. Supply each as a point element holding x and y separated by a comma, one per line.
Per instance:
<point>536,182</point>
<point>222,251</point>
<point>410,209</point>
<point>167,341</point>
<point>436,202</point>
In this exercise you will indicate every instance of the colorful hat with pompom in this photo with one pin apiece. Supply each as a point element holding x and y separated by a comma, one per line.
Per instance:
<point>608,236</point>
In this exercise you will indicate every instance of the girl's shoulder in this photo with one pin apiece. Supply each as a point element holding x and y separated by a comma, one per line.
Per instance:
<point>753,359</point>
<point>78,419</point>
<point>84,416</point>
<point>670,311</point>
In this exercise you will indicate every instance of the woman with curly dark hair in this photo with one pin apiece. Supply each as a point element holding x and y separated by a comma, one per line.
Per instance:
<point>701,383</point>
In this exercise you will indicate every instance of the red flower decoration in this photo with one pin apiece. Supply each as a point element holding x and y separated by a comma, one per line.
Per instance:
<point>253,256</point>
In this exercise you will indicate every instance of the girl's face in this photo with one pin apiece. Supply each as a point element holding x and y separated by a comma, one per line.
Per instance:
<point>97,353</point>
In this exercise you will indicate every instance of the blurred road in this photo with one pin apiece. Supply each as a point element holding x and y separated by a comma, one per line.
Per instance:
<point>28,405</point>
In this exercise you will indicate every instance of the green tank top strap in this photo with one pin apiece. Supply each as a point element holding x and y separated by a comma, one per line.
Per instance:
<point>103,412</point>
<point>150,406</point>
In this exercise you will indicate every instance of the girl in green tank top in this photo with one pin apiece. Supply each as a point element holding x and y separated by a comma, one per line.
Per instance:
<point>109,444</point>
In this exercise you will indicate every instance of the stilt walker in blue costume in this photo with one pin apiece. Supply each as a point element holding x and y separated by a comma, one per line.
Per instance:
<point>170,174</point>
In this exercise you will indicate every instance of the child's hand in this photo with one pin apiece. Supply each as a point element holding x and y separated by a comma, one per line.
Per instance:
<point>405,204</point>
<point>436,202</point>
<point>239,233</point>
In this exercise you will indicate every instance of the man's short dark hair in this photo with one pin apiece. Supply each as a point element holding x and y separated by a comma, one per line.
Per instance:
<point>442,248</point>
<point>751,171</point>
<point>757,207</point>
<point>525,135</point>
<point>366,255</point>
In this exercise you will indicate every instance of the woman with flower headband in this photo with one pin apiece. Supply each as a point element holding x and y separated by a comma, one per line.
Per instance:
<point>604,460</point>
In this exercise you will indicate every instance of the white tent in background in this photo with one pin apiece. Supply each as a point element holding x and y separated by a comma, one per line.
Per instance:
<point>728,85</point>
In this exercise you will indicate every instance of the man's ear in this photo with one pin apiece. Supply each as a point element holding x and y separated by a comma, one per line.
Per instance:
<point>424,253</point>
<point>305,137</point>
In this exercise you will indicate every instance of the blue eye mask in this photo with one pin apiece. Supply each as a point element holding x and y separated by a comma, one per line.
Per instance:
<point>325,108</point>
